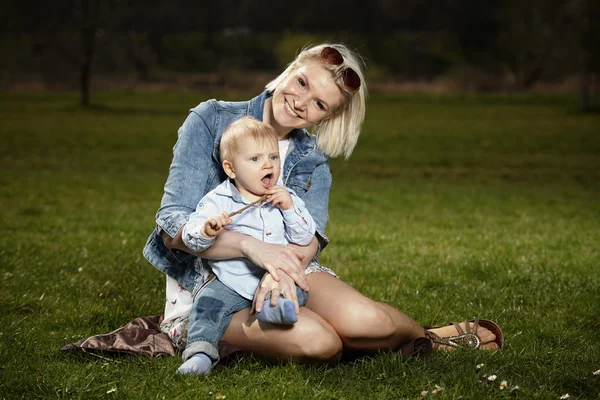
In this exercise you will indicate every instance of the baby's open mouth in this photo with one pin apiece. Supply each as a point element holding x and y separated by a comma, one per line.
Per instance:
<point>267,180</point>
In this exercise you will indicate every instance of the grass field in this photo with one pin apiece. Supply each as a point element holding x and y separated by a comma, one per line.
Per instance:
<point>450,208</point>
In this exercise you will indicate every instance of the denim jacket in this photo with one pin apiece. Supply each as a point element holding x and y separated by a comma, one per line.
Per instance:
<point>196,170</point>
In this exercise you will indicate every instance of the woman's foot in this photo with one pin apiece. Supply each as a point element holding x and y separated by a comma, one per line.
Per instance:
<point>487,339</point>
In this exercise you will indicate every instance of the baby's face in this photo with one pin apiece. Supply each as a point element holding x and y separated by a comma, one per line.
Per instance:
<point>256,166</point>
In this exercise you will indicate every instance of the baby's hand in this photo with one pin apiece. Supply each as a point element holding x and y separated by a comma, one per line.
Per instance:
<point>280,197</point>
<point>213,226</point>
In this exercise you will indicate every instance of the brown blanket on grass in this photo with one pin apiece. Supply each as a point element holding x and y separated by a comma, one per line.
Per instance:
<point>142,336</point>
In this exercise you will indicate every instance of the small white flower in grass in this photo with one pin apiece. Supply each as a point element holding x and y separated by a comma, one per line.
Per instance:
<point>221,397</point>
<point>437,390</point>
<point>111,390</point>
<point>596,372</point>
<point>479,366</point>
<point>492,378</point>
<point>424,393</point>
<point>564,396</point>
<point>503,385</point>
<point>514,389</point>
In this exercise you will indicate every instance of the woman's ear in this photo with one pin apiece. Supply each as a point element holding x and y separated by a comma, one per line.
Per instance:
<point>228,167</point>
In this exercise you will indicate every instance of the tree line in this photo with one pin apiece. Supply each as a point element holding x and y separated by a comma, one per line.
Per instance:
<point>528,39</point>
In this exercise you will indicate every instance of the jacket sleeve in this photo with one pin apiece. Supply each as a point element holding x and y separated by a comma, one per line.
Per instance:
<point>189,170</point>
<point>316,199</point>
<point>299,225</point>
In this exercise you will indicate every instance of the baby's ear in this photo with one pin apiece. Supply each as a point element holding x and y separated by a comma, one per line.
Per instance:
<point>228,167</point>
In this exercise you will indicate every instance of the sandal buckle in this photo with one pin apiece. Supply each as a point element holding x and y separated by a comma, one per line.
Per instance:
<point>469,340</point>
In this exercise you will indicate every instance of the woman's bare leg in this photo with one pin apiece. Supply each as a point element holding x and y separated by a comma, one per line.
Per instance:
<point>361,323</point>
<point>311,339</point>
<point>364,324</point>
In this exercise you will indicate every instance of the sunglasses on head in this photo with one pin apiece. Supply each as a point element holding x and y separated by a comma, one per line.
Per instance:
<point>351,80</point>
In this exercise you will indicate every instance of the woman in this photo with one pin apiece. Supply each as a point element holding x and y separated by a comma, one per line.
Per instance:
<point>323,88</point>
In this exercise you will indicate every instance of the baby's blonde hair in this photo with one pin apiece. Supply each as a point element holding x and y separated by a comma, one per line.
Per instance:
<point>338,134</point>
<point>243,128</point>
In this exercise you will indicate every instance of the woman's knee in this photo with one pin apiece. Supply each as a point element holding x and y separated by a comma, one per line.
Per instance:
<point>322,349</point>
<point>371,322</point>
<point>319,343</point>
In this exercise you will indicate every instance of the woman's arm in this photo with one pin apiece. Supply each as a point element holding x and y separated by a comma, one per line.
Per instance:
<point>290,259</point>
<point>309,251</point>
<point>285,285</point>
<point>316,200</point>
<point>190,168</point>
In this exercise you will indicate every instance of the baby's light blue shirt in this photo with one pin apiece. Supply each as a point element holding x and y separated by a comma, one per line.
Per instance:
<point>265,222</point>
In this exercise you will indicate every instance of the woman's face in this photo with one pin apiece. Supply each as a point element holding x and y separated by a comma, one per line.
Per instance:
<point>308,96</point>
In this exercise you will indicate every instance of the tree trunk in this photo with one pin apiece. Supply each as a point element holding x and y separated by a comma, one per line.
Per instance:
<point>584,91</point>
<point>84,82</point>
<point>89,17</point>
<point>585,59</point>
<point>89,46</point>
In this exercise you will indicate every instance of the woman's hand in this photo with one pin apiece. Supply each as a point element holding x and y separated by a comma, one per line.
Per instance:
<point>268,256</point>
<point>276,258</point>
<point>176,242</point>
<point>285,287</point>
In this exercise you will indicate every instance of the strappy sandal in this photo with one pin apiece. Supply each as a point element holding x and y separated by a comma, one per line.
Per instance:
<point>423,346</point>
<point>419,347</point>
<point>468,339</point>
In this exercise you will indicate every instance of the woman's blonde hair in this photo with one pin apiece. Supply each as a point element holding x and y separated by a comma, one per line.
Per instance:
<point>246,127</point>
<point>339,133</point>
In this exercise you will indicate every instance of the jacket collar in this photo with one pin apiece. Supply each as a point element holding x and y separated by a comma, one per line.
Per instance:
<point>256,106</point>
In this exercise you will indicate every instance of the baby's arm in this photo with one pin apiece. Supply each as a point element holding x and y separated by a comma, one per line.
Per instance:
<point>204,224</point>
<point>214,225</point>
<point>299,224</point>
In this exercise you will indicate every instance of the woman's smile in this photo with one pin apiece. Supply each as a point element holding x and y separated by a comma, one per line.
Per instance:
<point>289,109</point>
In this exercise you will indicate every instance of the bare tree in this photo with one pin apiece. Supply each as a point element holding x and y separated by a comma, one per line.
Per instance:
<point>66,30</point>
<point>532,31</point>
<point>587,15</point>
<point>88,15</point>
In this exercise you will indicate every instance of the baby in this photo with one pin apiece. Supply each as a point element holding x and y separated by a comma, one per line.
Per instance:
<point>250,157</point>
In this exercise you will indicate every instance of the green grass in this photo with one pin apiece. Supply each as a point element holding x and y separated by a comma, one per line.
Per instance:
<point>450,208</point>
